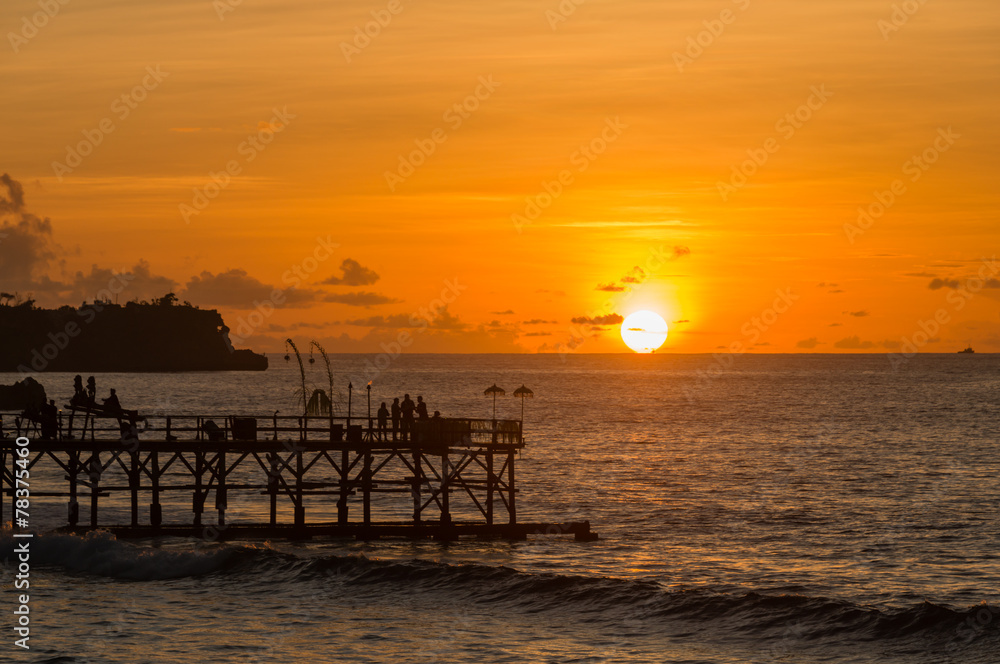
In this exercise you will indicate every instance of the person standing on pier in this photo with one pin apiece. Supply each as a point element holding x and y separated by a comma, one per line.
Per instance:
<point>421,408</point>
<point>111,405</point>
<point>407,407</point>
<point>50,420</point>
<point>383,421</point>
<point>91,392</point>
<point>395,417</point>
<point>78,400</point>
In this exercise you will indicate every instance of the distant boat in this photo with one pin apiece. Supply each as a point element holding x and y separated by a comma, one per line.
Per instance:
<point>967,351</point>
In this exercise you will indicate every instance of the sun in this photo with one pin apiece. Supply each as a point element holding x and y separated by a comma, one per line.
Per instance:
<point>644,331</point>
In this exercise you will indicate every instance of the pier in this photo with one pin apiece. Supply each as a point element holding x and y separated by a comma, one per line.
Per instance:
<point>298,477</point>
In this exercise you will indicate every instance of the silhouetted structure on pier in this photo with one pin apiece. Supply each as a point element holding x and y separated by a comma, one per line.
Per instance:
<point>456,477</point>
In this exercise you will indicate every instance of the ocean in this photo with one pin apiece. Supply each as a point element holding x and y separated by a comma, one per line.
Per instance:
<point>763,508</point>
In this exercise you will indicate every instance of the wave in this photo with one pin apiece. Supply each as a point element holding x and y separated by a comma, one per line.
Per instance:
<point>590,599</point>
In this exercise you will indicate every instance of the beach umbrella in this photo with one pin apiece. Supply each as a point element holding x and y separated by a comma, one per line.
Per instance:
<point>524,393</point>
<point>494,390</point>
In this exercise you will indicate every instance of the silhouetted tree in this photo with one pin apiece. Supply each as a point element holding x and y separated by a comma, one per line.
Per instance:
<point>167,300</point>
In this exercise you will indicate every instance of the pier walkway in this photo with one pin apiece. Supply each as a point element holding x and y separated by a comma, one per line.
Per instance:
<point>300,477</point>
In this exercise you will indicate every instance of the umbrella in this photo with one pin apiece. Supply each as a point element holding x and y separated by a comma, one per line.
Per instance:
<point>524,393</point>
<point>494,390</point>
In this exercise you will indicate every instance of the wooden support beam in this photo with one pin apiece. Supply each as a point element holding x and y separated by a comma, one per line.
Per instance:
<point>221,495</point>
<point>199,500</point>
<point>272,485</point>
<point>133,485</point>
<point>95,480</point>
<point>300,508</point>
<point>511,505</point>
<point>345,488</point>
<point>418,482</point>
<point>155,511</point>
<point>490,483</point>
<point>366,486</point>
<point>445,506</point>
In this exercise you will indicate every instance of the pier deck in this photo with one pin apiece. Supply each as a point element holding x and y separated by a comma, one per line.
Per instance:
<point>312,476</point>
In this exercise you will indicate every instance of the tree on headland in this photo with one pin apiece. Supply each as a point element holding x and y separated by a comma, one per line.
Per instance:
<point>167,300</point>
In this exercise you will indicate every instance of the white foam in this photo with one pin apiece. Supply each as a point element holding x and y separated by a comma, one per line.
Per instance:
<point>101,553</point>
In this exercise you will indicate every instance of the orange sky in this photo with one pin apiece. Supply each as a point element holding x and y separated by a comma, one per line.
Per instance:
<point>643,107</point>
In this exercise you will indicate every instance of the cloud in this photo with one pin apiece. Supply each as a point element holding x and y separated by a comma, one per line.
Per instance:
<point>539,321</point>
<point>28,252</point>
<point>854,343</point>
<point>139,283</point>
<point>636,276</point>
<point>508,312</point>
<point>360,299</point>
<point>938,284</point>
<point>609,319</point>
<point>354,274</point>
<point>808,344</point>
<point>823,284</point>
<point>26,245</point>
<point>235,288</point>
<point>836,325</point>
<point>538,334</point>
<point>678,322</point>
<point>680,252</point>
<point>920,274</point>
<point>442,319</point>
<point>857,314</point>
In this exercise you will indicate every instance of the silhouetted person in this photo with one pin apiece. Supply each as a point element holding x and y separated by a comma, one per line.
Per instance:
<point>50,420</point>
<point>129,429</point>
<point>396,412</point>
<point>407,408</point>
<point>78,400</point>
<point>91,392</point>
<point>383,421</point>
<point>111,405</point>
<point>213,430</point>
<point>421,408</point>
<point>435,425</point>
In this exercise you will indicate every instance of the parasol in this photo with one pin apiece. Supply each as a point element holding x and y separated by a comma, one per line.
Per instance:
<point>494,390</point>
<point>524,393</point>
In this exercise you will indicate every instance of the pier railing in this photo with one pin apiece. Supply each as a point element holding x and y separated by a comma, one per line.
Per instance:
<point>84,425</point>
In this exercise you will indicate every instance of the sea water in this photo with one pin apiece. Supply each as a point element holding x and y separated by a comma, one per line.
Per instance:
<point>801,509</point>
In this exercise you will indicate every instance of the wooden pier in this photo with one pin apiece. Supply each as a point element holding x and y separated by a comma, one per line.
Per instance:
<point>321,476</point>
